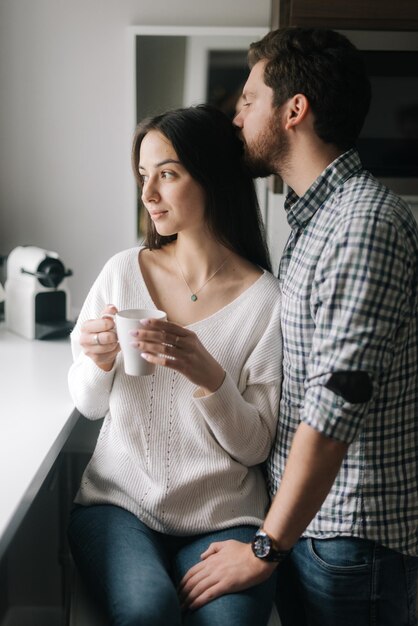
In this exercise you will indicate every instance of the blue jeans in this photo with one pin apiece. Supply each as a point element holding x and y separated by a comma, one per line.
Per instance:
<point>346,582</point>
<point>133,571</point>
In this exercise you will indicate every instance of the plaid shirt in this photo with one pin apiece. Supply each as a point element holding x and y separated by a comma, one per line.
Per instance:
<point>349,286</point>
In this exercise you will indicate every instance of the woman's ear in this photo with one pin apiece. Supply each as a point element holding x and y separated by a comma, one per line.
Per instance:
<point>297,109</point>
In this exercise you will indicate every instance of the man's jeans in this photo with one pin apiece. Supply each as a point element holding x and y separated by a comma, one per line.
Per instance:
<point>133,571</point>
<point>346,582</point>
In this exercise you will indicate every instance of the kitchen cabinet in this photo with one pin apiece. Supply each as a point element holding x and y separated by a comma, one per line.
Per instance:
<point>37,417</point>
<point>347,14</point>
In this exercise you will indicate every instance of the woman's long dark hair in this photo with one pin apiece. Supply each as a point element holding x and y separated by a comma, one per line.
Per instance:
<point>207,145</point>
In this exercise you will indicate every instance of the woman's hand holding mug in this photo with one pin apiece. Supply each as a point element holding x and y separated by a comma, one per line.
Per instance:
<point>170,345</point>
<point>99,339</point>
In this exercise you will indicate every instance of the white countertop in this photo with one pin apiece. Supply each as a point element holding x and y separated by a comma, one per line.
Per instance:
<point>36,417</point>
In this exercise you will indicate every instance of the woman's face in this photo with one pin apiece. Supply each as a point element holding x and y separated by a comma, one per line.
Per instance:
<point>173,199</point>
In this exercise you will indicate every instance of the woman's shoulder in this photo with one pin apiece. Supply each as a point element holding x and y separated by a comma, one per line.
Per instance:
<point>271,280</point>
<point>263,297</point>
<point>123,257</point>
<point>270,283</point>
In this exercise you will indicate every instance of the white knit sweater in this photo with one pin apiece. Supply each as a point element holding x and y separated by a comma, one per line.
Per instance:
<point>183,464</point>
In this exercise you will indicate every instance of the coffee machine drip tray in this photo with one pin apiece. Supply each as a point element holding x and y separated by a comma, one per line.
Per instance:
<point>50,315</point>
<point>54,330</point>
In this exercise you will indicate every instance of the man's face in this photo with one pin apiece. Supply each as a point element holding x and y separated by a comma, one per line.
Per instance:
<point>265,142</point>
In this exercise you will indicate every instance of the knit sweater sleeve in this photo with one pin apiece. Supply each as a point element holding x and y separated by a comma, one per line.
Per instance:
<point>89,385</point>
<point>243,417</point>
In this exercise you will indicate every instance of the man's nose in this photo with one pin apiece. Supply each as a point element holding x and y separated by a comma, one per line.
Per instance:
<point>237,121</point>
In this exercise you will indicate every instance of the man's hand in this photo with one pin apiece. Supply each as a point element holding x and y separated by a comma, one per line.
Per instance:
<point>226,567</point>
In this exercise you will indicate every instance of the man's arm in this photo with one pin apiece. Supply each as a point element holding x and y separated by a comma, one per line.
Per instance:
<point>230,566</point>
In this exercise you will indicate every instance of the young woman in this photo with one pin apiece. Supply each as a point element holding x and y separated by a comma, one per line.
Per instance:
<point>177,462</point>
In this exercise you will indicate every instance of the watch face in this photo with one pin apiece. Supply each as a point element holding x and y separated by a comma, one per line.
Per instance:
<point>261,545</point>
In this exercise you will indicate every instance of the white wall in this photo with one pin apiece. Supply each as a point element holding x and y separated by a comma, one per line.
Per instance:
<point>64,134</point>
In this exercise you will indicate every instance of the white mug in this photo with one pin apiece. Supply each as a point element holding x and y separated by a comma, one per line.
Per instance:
<point>130,319</point>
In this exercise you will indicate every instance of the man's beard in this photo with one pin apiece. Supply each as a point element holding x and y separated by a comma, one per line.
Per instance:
<point>268,154</point>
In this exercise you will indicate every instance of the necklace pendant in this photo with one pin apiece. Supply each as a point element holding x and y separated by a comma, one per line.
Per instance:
<point>193,296</point>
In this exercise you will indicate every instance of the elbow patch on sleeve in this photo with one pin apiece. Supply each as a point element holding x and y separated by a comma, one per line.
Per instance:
<point>354,387</point>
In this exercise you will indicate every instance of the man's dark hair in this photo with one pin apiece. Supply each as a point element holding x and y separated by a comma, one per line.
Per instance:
<point>207,145</point>
<point>324,66</point>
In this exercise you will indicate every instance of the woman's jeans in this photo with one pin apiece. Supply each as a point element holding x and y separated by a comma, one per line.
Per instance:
<point>346,582</point>
<point>133,571</point>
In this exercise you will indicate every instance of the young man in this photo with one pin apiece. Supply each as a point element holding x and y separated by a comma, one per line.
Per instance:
<point>343,526</point>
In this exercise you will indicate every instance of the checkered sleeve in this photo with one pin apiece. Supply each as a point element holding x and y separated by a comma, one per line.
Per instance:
<point>359,301</point>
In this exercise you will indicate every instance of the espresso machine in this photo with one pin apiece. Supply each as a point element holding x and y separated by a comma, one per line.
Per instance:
<point>37,302</point>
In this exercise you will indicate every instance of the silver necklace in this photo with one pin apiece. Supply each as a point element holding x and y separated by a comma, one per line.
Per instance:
<point>193,294</point>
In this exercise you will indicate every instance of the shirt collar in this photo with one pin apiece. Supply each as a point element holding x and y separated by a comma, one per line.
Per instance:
<point>301,209</point>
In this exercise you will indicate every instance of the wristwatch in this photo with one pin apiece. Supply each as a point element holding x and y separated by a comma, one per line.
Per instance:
<point>263,548</point>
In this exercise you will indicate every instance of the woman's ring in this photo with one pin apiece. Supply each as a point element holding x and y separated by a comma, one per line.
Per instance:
<point>97,340</point>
